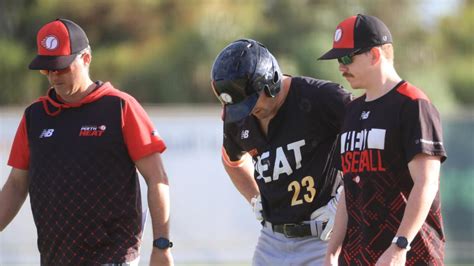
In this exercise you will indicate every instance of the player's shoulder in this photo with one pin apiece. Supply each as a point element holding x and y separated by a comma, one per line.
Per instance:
<point>107,89</point>
<point>37,105</point>
<point>411,92</point>
<point>309,86</point>
<point>314,83</point>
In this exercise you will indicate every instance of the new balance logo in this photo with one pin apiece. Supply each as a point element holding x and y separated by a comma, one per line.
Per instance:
<point>364,115</point>
<point>244,134</point>
<point>46,133</point>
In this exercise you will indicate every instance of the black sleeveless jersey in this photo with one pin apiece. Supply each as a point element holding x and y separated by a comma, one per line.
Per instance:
<point>378,140</point>
<point>290,161</point>
<point>84,189</point>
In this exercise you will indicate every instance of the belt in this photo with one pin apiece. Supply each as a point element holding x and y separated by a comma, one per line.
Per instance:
<point>303,229</point>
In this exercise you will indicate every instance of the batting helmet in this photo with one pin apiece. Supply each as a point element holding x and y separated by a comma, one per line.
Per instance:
<point>240,73</point>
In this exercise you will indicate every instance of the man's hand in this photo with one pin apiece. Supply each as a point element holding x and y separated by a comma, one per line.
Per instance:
<point>327,214</point>
<point>256,203</point>
<point>161,257</point>
<point>393,256</point>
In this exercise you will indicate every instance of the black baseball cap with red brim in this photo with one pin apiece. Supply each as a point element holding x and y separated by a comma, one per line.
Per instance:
<point>58,42</point>
<point>356,33</point>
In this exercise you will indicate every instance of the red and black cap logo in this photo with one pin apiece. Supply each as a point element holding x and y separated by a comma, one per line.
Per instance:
<point>58,44</point>
<point>355,33</point>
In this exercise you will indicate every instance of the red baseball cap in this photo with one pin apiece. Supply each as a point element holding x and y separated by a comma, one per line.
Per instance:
<point>355,33</point>
<point>59,42</point>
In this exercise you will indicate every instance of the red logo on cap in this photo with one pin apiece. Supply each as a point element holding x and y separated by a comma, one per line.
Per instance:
<point>50,42</point>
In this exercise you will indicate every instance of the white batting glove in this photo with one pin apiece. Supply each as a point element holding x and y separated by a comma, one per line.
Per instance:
<point>256,203</point>
<point>327,214</point>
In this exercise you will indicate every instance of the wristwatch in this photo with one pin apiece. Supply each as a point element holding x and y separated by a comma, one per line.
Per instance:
<point>162,243</point>
<point>401,242</point>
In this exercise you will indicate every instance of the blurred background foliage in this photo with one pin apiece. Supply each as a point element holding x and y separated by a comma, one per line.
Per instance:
<point>162,50</point>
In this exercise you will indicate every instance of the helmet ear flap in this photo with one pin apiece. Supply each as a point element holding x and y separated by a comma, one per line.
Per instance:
<point>273,89</point>
<point>267,91</point>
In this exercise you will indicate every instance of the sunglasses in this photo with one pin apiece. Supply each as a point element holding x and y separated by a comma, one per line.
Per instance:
<point>57,71</point>
<point>347,59</point>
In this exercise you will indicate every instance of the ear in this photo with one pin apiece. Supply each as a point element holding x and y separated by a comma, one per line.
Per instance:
<point>87,58</point>
<point>376,55</point>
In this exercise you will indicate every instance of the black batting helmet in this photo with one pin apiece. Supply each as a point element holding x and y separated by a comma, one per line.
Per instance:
<point>240,73</point>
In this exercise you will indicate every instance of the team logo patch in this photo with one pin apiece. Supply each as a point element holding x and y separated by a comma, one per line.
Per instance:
<point>338,35</point>
<point>50,42</point>
<point>226,98</point>
<point>92,131</point>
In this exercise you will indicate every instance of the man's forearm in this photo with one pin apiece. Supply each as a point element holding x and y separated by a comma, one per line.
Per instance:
<point>152,170</point>
<point>12,196</point>
<point>417,208</point>
<point>424,170</point>
<point>338,232</point>
<point>243,180</point>
<point>158,202</point>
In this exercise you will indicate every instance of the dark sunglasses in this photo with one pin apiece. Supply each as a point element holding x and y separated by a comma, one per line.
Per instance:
<point>58,71</point>
<point>347,59</point>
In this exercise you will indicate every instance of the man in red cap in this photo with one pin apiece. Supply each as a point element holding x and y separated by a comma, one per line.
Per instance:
<point>391,148</point>
<point>75,154</point>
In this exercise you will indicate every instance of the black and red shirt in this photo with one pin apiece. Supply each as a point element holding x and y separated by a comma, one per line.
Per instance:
<point>84,189</point>
<point>378,140</point>
<point>290,160</point>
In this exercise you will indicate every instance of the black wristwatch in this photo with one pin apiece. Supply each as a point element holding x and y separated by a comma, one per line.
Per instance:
<point>162,243</point>
<point>401,242</point>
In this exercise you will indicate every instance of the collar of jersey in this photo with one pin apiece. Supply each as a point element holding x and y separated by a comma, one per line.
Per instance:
<point>53,104</point>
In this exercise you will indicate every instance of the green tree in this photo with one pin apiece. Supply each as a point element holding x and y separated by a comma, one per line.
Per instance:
<point>456,46</point>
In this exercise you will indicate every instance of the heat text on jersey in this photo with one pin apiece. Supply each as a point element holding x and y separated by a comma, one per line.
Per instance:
<point>362,151</point>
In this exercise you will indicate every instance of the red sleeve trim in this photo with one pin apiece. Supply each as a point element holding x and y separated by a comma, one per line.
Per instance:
<point>144,151</point>
<point>20,152</point>
<point>412,92</point>
<point>229,162</point>
<point>140,136</point>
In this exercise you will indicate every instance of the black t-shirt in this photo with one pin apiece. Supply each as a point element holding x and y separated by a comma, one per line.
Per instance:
<point>83,184</point>
<point>378,140</point>
<point>290,161</point>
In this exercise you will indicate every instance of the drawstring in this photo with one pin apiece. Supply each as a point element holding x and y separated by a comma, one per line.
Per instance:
<point>50,103</point>
<point>46,107</point>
